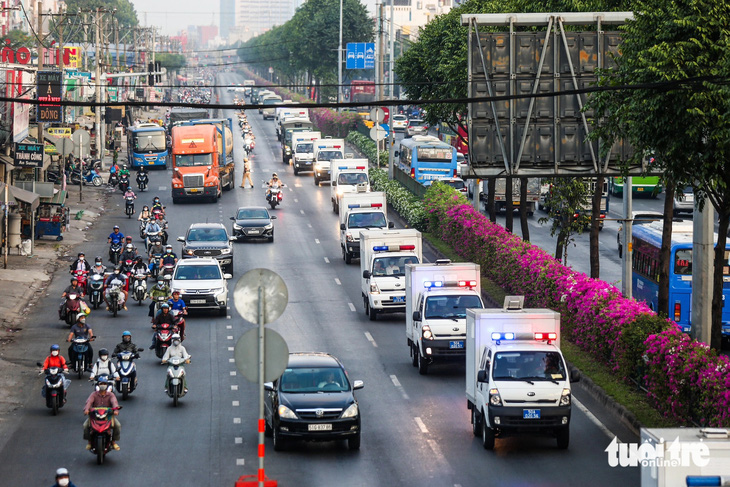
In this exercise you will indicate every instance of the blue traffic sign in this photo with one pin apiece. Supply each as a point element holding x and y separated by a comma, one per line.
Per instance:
<point>385,127</point>
<point>360,55</point>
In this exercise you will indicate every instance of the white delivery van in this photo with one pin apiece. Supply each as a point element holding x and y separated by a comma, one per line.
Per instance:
<point>360,211</point>
<point>347,176</point>
<point>270,112</point>
<point>516,378</point>
<point>437,296</point>
<point>326,151</point>
<point>302,144</point>
<point>384,255</point>
<point>282,113</point>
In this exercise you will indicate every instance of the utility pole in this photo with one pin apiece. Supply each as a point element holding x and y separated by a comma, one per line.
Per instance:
<point>116,40</point>
<point>86,41</point>
<point>97,111</point>
<point>381,42</point>
<point>339,64</point>
<point>391,79</point>
<point>39,31</point>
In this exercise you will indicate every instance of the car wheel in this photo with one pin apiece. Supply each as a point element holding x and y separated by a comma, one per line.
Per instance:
<point>366,305</point>
<point>563,438</point>
<point>223,311</point>
<point>422,364</point>
<point>353,442</point>
<point>268,432</point>
<point>271,239</point>
<point>373,314</point>
<point>414,355</point>
<point>279,442</point>
<point>487,436</point>
<point>476,422</point>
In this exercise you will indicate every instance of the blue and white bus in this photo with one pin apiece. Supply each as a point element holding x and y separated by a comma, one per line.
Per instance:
<point>425,158</point>
<point>147,146</point>
<point>647,241</point>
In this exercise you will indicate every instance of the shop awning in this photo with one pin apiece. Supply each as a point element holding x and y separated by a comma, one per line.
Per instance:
<point>59,198</point>
<point>21,195</point>
<point>7,160</point>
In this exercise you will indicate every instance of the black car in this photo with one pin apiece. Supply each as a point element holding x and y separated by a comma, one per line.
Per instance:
<point>208,240</point>
<point>313,400</point>
<point>253,222</point>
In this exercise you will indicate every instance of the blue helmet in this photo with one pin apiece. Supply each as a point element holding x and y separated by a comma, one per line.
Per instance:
<point>103,379</point>
<point>126,334</point>
<point>55,347</point>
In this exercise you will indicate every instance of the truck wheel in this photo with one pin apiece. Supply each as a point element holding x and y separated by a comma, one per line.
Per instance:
<point>487,436</point>
<point>316,181</point>
<point>476,422</point>
<point>348,257</point>
<point>296,171</point>
<point>373,314</point>
<point>563,437</point>
<point>334,208</point>
<point>422,364</point>
<point>414,355</point>
<point>366,305</point>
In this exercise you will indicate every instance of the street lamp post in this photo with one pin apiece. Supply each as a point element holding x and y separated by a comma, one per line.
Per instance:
<point>339,63</point>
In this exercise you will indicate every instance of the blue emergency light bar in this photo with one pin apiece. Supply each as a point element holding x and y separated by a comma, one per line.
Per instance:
<point>503,336</point>
<point>393,248</point>
<point>367,205</point>
<point>430,284</point>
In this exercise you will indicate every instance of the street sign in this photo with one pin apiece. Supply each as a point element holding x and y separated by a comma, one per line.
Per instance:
<point>112,93</point>
<point>246,295</point>
<point>59,131</point>
<point>276,355</point>
<point>28,155</point>
<point>82,140</point>
<point>48,88</point>
<point>377,133</point>
<point>377,115</point>
<point>65,146</point>
<point>360,55</point>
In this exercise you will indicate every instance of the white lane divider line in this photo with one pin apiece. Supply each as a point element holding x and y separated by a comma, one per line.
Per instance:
<point>326,260</point>
<point>397,385</point>
<point>316,240</point>
<point>594,419</point>
<point>371,339</point>
<point>301,211</point>
<point>297,186</point>
<point>230,337</point>
<point>240,462</point>
<point>235,404</point>
<point>234,387</point>
<point>338,282</point>
<point>421,426</point>
<point>309,225</point>
<point>238,440</point>
<point>161,188</point>
<point>231,360</point>
<point>228,317</point>
<point>296,200</point>
<point>233,372</point>
<point>436,450</point>
<point>229,327</point>
<point>236,420</point>
<point>231,349</point>
<point>352,307</point>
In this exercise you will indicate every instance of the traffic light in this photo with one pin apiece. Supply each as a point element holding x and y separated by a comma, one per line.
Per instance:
<point>150,77</point>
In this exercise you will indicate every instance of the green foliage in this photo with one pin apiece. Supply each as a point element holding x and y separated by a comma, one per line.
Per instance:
<point>369,148</point>
<point>567,197</point>
<point>406,204</point>
<point>631,343</point>
<point>171,61</point>
<point>440,198</point>
<point>18,38</point>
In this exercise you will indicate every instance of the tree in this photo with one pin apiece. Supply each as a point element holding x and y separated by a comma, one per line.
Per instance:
<point>18,38</point>
<point>567,198</point>
<point>125,14</point>
<point>683,46</point>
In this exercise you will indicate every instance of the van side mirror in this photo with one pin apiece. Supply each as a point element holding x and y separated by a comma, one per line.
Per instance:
<point>342,226</point>
<point>416,316</point>
<point>268,386</point>
<point>482,376</point>
<point>391,225</point>
<point>334,183</point>
<point>574,375</point>
<point>233,218</point>
<point>396,154</point>
<point>366,274</point>
<point>180,239</point>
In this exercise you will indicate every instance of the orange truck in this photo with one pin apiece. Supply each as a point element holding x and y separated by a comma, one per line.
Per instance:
<point>202,166</point>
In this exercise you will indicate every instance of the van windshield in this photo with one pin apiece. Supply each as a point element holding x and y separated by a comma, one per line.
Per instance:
<point>450,307</point>
<point>352,178</point>
<point>366,220</point>
<point>528,365</point>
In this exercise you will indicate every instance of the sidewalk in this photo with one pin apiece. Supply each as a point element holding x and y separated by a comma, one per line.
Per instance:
<point>27,277</point>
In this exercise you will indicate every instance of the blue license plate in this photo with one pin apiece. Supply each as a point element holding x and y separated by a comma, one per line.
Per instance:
<point>456,344</point>
<point>530,414</point>
<point>399,299</point>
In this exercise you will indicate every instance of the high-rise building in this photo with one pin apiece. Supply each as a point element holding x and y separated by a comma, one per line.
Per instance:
<point>254,17</point>
<point>228,17</point>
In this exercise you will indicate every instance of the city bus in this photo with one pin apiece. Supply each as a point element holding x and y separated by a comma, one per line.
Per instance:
<point>147,146</point>
<point>649,186</point>
<point>425,158</point>
<point>647,240</point>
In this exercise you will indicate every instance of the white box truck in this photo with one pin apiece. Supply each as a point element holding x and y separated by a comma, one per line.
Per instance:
<point>282,113</point>
<point>384,255</point>
<point>326,151</point>
<point>302,144</point>
<point>347,176</point>
<point>516,378</point>
<point>360,211</point>
<point>437,296</point>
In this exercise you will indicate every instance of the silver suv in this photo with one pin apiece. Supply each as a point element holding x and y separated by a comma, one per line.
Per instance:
<point>202,284</point>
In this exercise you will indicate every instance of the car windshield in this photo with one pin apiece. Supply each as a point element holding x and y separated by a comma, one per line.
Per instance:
<point>329,155</point>
<point>399,117</point>
<point>314,380</point>
<point>392,266</point>
<point>307,148</point>
<point>253,214</point>
<point>352,178</point>
<point>207,235</point>
<point>455,184</point>
<point>532,365</point>
<point>197,272</point>
<point>189,160</point>
<point>149,141</point>
<point>415,123</point>
<point>366,220</point>
<point>450,307</point>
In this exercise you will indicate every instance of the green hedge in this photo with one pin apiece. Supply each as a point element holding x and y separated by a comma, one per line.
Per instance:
<point>368,147</point>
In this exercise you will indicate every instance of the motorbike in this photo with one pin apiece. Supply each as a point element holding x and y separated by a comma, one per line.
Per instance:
<point>274,196</point>
<point>123,183</point>
<point>166,271</point>
<point>149,237</point>
<point>157,210</point>
<point>174,381</point>
<point>178,320</point>
<point>113,180</point>
<point>127,381</point>
<point>115,299</point>
<point>77,360</point>
<point>70,309</point>
<point>155,267</point>
<point>142,180</point>
<point>140,287</point>
<point>142,227</point>
<point>163,341</point>
<point>126,268</point>
<point>95,290</point>
<point>115,251</point>
<point>55,388</point>
<point>101,431</point>
<point>129,206</point>
<point>82,277</point>
<point>91,176</point>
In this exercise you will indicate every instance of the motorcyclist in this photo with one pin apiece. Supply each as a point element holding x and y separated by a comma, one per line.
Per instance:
<point>126,344</point>
<point>129,253</point>
<point>81,330</point>
<point>156,248</point>
<point>164,317</point>
<point>55,359</point>
<point>62,479</point>
<point>145,214</point>
<point>73,288</point>
<point>99,267</point>
<point>104,366</point>
<point>128,241</point>
<point>177,304</point>
<point>104,397</point>
<point>163,226</point>
<point>116,236</point>
<point>129,193</point>
<point>176,350</point>
<point>142,171</point>
<point>152,228</point>
<point>124,171</point>
<point>157,205</point>
<point>169,256</point>
<point>80,264</point>
<point>119,279</point>
<point>139,267</point>
<point>160,289</point>
<point>274,183</point>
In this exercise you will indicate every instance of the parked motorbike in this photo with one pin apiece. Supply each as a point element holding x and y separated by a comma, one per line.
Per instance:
<point>95,290</point>
<point>140,287</point>
<point>101,431</point>
<point>55,388</point>
<point>175,376</point>
<point>70,309</point>
<point>142,180</point>
<point>129,206</point>
<point>90,177</point>
<point>123,183</point>
<point>164,333</point>
<point>77,360</point>
<point>115,251</point>
<point>127,381</point>
<point>274,196</point>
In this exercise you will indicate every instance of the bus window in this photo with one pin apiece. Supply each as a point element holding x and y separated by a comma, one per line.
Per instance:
<point>683,262</point>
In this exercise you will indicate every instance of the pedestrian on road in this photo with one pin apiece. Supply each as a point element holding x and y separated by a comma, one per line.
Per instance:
<point>63,479</point>
<point>246,173</point>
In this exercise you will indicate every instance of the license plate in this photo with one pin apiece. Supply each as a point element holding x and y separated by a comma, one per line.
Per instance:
<point>319,427</point>
<point>456,344</point>
<point>639,189</point>
<point>197,301</point>
<point>254,232</point>
<point>193,190</point>
<point>530,414</point>
<point>399,299</point>
<point>515,203</point>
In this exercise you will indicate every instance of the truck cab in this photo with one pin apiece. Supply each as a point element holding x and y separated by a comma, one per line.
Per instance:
<point>284,113</point>
<point>384,255</point>
<point>269,112</point>
<point>348,176</point>
<point>195,163</point>
<point>326,151</point>
<point>437,297</point>
<point>288,128</point>
<point>517,380</point>
<point>303,150</point>
<point>360,211</point>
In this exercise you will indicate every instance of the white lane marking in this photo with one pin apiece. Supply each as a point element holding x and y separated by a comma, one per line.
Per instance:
<point>235,404</point>
<point>338,282</point>
<point>326,260</point>
<point>236,420</point>
<point>234,387</point>
<point>231,360</point>
<point>231,349</point>
<point>594,419</point>
<point>352,307</point>
<point>397,385</point>
<point>229,327</point>
<point>228,317</point>
<point>296,200</point>
<point>371,339</point>
<point>240,462</point>
<point>309,225</point>
<point>316,240</point>
<point>395,381</point>
<point>436,450</point>
<point>301,211</point>
<point>238,440</point>
<point>420,424</point>
<point>296,185</point>
<point>229,337</point>
<point>161,188</point>
<point>233,372</point>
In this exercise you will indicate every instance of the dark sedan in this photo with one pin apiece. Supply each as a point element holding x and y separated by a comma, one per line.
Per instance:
<point>313,400</point>
<point>253,222</point>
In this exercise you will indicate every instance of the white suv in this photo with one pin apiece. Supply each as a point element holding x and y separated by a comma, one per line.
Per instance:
<point>202,284</point>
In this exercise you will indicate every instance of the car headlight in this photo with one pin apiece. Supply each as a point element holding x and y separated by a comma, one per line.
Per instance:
<point>426,332</point>
<point>287,150</point>
<point>374,288</point>
<point>189,252</point>
<point>237,227</point>
<point>286,413</point>
<point>225,251</point>
<point>351,412</point>
<point>494,398</point>
<point>565,397</point>
<point>348,237</point>
<point>219,291</point>
<point>340,191</point>
<point>269,226</point>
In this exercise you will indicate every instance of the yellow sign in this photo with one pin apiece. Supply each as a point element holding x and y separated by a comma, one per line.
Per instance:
<point>50,149</point>
<point>64,132</point>
<point>72,57</point>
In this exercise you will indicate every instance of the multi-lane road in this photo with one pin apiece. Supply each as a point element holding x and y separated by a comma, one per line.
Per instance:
<point>416,429</point>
